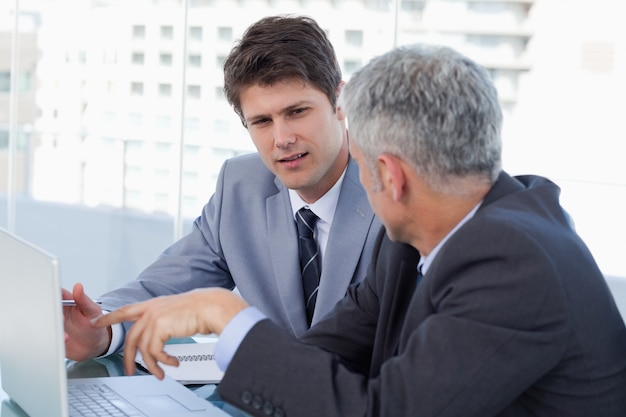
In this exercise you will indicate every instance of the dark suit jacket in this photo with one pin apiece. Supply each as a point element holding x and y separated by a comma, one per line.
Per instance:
<point>513,318</point>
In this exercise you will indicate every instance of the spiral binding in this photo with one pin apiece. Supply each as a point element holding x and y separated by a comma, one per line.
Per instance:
<point>195,358</point>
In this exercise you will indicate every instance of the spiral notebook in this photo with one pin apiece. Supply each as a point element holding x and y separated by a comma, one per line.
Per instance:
<point>196,360</point>
<point>32,351</point>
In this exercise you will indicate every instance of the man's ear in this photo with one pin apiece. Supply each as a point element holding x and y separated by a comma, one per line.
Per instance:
<point>341,115</point>
<point>392,175</point>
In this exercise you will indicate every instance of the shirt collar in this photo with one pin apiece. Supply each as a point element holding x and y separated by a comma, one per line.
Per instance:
<point>324,207</point>
<point>425,261</point>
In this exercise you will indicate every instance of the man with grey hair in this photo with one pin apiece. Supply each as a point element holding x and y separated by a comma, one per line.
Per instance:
<point>480,300</point>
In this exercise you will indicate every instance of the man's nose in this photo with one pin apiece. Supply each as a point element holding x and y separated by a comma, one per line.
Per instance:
<point>283,134</point>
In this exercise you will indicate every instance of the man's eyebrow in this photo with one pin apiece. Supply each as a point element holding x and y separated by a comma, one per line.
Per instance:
<point>283,111</point>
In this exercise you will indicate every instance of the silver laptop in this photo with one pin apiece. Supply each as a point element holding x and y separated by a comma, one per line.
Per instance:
<point>32,348</point>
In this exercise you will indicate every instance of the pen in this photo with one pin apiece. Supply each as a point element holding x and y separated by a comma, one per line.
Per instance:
<point>70,303</point>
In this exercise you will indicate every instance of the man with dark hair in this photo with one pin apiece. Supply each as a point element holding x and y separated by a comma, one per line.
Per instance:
<point>282,79</point>
<point>481,300</point>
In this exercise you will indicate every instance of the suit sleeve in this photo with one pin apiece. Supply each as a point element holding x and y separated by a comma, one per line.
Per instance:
<point>196,260</point>
<point>466,334</point>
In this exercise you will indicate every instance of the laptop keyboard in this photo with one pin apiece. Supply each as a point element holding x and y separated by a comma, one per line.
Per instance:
<point>95,400</point>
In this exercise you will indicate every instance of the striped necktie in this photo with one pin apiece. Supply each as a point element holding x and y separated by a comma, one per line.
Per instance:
<point>309,258</point>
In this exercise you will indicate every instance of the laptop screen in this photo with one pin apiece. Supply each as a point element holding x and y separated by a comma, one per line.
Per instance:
<point>32,349</point>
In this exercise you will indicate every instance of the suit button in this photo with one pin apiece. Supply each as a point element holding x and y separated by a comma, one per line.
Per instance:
<point>268,409</point>
<point>246,397</point>
<point>257,402</point>
<point>278,412</point>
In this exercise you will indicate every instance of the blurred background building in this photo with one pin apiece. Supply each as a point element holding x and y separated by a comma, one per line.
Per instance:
<point>113,132</point>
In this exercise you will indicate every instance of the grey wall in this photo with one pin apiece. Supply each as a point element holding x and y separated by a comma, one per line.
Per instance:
<point>101,247</point>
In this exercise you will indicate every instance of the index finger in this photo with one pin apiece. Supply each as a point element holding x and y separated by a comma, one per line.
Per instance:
<point>127,313</point>
<point>66,294</point>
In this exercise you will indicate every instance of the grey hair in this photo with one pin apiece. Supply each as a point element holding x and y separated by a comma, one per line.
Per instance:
<point>430,106</point>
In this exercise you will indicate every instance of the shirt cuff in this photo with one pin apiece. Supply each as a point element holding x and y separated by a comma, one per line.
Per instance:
<point>234,333</point>
<point>117,337</point>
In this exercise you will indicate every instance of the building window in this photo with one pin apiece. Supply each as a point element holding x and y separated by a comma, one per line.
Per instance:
<point>195,60</point>
<point>4,139</point>
<point>165,90</point>
<point>165,59</point>
<point>137,58</point>
<point>221,126</point>
<point>163,149</point>
<point>167,32</point>
<point>164,122</point>
<point>219,93</point>
<point>192,124</point>
<point>194,91</point>
<point>134,149</point>
<point>195,33</point>
<point>351,66</point>
<point>412,5</point>
<point>136,89</point>
<point>5,81</point>
<point>23,82</point>
<point>139,32</point>
<point>219,61</point>
<point>225,34</point>
<point>354,38</point>
<point>108,118</point>
<point>135,119</point>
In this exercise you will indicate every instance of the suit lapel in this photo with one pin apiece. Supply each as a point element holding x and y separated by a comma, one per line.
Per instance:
<point>347,237</point>
<point>283,247</point>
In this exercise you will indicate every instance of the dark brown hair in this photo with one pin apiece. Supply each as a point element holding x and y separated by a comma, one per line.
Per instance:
<point>280,48</point>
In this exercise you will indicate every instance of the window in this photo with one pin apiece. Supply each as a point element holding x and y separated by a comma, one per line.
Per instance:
<point>137,58</point>
<point>194,92</point>
<point>219,93</point>
<point>136,89</point>
<point>167,32</point>
<point>23,82</point>
<point>5,81</point>
<point>195,60</point>
<point>224,34</point>
<point>163,149</point>
<point>195,33</point>
<point>108,118</point>
<point>192,124</point>
<point>164,122</point>
<point>135,119</point>
<point>4,139</point>
<point>354,38</point>
<point>412,5</point>
<point>165,59</point>
<point>351,66</point>
<point>165,90</point>
<point>221,126</point>
<point>139,32</point>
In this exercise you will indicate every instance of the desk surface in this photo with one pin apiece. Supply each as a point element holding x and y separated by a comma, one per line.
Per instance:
<point>113,366</point>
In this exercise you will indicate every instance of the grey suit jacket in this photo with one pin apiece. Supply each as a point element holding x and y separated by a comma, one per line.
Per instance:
<point>246,237</point>
<point>513,318</point>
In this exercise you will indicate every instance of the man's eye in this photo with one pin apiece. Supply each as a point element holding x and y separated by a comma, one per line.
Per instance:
<point>296,112</point>
<point>260,122</point>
